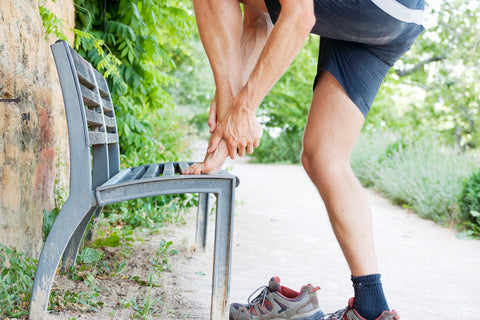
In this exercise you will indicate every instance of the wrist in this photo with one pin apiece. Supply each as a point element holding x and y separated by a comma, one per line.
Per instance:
<point>243,103</point>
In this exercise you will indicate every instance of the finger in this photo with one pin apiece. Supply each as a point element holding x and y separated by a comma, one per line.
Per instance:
<point>241,152</point>
<point>256,142</point>
<point>212,116</point>
<point>250,147</point>
<point>213,143</point>
<point>232,149</point>
<point>189,170</point>
<point>198,168</point>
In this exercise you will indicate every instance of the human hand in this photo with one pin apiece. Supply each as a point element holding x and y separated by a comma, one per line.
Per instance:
<point>241,130</point>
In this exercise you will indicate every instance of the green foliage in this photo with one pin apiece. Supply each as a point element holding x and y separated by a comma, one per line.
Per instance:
<point>161,260</point>
<point>144,309</point>
<point>89,255</point>
<point>285,148</point>
<point>48,220</point>
<point>51,23</point>
<point>146,37</point>
<point>434,87</point>
<point>415,171</point>
<point>139,46</point>
<point>469,202</point>
<point>369,152</point>
<point>16,277</point>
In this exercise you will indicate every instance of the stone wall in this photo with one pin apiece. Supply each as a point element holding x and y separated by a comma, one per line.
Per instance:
<point>33,128</point>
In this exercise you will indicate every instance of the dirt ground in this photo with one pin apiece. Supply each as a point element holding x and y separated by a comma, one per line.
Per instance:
<point>281,228</point>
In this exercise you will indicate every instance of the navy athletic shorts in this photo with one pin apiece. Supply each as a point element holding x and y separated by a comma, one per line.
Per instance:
<point>361,39</point>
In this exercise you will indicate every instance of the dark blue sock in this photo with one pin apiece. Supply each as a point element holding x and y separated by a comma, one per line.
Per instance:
<point>370,300</point>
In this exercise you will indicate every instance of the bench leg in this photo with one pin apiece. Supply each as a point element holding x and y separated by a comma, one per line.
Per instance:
<point>89,235</point>
<point>71,251</point>
<point>202,221</point>
<point>69,218</point>
<point>222,254</point>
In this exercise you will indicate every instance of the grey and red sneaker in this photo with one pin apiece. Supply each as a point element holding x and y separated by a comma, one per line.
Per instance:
<point>276,302</point>
<point>349,313</point>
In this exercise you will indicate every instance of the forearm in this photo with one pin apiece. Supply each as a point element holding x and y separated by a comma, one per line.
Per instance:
<point>285,41</point>
<point>220,27</point>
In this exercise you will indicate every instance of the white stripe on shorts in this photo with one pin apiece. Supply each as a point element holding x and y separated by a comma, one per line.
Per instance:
<point>400,12</point>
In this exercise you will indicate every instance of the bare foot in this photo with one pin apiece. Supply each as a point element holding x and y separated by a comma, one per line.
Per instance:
<point>213,161</point>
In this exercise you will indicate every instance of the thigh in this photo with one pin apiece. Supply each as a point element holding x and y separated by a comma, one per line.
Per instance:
<point>257,4</point>
<point>359,71</point>
<point>334,122</point>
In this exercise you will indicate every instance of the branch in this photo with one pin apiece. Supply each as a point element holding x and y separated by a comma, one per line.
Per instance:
<point>402,73</point>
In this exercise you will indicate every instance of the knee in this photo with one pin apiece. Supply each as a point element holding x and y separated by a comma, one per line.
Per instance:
<point>314,158</point>
<point>325,167</point>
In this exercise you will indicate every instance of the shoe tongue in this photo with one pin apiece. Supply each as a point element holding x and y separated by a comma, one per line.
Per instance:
<point>274,284</point>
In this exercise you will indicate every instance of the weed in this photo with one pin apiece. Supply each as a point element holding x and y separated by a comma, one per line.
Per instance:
<point>161,259</point>
<point>16,275</point>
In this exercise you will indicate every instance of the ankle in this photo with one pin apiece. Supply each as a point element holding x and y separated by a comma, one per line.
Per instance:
<point>370,299</point>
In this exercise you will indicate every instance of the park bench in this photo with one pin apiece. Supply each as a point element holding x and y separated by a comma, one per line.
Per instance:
<point>96,180</point>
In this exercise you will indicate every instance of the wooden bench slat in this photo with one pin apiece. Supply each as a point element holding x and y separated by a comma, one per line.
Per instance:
<point>90,98</point>
<point>110,122</point>
<point>168,169</point>
<point>101,83</point>
<point>152,171</point>
<point>183,166</point>
<point>93,118</point>
<point>84,71</point>
<point>112,138</point>
<point>107,105</point>
<point>134,174</point>
<point>97,138</point>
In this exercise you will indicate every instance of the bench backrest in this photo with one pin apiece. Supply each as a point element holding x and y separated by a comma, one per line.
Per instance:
<point>91,120</point>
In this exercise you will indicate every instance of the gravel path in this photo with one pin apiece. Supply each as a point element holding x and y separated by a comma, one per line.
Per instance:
<point>281,228</point>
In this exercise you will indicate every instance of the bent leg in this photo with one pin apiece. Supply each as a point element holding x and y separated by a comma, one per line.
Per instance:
<point>243,42</point>
<point>333,125</point>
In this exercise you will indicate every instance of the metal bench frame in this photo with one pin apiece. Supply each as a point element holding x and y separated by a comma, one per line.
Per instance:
<point>96,180</point>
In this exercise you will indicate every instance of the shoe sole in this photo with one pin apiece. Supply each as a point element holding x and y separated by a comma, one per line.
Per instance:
<point>317,316</point>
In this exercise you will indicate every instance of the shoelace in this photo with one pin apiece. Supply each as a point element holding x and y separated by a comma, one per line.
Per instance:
<point>260,299</point>
<point>337,315</point>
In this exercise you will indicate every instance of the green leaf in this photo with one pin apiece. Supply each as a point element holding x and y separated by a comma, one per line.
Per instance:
<point>89,255</point>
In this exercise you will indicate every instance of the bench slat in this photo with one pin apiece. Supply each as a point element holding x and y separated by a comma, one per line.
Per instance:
<point>102,84</point>
<point>89,97</point>
<point>84,71</point>
<point>134,174</point>
<point>183,166</point>
<point>168,169</point>
<point>97,137</point>
<point>112,138</point>
<point>152,171</point>
<point>107,105</point>
<point>110,122</point>
<point>93,118</point>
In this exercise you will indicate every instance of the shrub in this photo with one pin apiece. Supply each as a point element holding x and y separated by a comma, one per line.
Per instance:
<point>286,148</point>
<point>469,203</point>
<point>368,153</point>
<point>417,172</point>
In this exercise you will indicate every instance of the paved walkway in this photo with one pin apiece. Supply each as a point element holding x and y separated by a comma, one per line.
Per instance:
<point>281,228</point>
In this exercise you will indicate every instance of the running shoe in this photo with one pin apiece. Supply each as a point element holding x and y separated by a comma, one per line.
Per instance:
<point>349,313</point>
<point>276,302</point>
